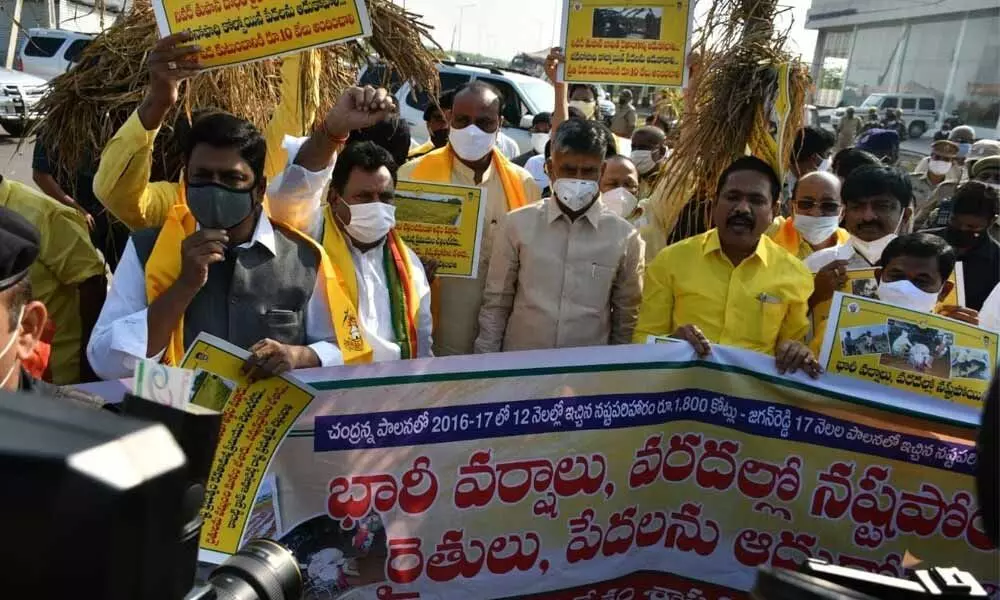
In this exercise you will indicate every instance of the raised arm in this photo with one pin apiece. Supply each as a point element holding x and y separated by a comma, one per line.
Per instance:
<point>122,179</point>
<point>552,62</point>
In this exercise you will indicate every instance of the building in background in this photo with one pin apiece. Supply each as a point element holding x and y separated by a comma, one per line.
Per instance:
<point>81,15</point>
<point>949,49</point>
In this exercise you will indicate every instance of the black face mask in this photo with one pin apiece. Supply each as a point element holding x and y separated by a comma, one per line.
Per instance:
<point>963,239</point>
<point>216,206</point>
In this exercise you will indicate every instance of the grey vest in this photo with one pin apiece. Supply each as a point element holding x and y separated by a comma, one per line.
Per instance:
<point>251,295</point>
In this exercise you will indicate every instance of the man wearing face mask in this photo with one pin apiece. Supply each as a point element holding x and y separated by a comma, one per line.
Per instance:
<point>541,125</point>
<point>883,143</point>
<point>623,124</point>
<point>220,265</point>
<point>877,207</point>
<point>649,149</point>
<point>619,186</point>
<point>965,137</point>
<point>974,210</point>
<point>810,152</point>
<point>937,212</point>
<point>733,285</point>
<point>437,125</point>
<point>471,158</point>
<point>933,171</point>
<point>22,319</point>
<point>565,271</point>
<point>914,273</point>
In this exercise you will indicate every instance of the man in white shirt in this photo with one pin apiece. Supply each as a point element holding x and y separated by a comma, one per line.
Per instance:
<point>218,265</point>
<point>358,207</point>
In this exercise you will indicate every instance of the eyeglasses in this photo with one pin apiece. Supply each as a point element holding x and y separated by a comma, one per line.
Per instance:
<point>827,209</point>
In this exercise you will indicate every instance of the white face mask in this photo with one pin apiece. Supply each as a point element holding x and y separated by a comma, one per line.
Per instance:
<point>10,344</point>
<point>939,167</point>
<point>872,251</point>
<point>575,194</point>
<point>471,142</point>
<point>904,293</point>
<point>643,160</point>
<point>584,106</point>
<point>816,230</point>
<point>370,222</point>
<point>538,141</point>
<point>620,201</point>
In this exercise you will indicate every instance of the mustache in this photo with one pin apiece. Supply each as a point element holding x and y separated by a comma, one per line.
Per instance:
<point>741,219</point>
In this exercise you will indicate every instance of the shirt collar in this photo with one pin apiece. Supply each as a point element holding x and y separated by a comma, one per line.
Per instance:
<point>263,233</point>
<point>467,173</point>
<point>712,243</point>
<point>592,214</point>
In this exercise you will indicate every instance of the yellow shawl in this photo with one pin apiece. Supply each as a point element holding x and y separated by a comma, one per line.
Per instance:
<point>164,267</point>
<point>436,167</point>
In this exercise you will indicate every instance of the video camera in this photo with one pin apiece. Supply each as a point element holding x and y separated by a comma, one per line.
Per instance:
<point>96,505</point>
<point>819,580</point>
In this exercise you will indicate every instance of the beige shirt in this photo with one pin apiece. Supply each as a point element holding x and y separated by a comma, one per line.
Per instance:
<point>557,283</point>
<point>460,299</point>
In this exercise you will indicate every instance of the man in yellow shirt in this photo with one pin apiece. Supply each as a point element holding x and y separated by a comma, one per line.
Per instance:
<point>733,285</point>
<point>471,158</point>
<point>68,277</point>
<point>122,179</point>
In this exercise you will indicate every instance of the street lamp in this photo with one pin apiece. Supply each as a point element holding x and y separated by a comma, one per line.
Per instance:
<point>461,22</point>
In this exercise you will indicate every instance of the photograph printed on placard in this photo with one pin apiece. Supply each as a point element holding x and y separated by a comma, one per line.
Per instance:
<point>864,339</point>
<point>925,350</point>
<point>625,22</point>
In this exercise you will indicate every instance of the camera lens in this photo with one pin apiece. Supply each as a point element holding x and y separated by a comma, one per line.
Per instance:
<point>261,570</point>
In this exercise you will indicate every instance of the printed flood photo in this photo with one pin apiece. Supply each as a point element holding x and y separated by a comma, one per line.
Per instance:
<point>265,520</point>
<point>435,209</point>
<point>971,363</point>
<point>334,560</point>
<point>924,350</point>
<point>864,339</point>
<point>627,23</point>
<point>866,288</point>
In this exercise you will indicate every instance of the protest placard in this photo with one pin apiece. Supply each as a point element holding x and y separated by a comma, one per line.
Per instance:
<point>540,474</point>
<point>254,422</point>
<point>238,31</point>
<point>908,350</point>
<point>633,42</point>
<point>442,221</point>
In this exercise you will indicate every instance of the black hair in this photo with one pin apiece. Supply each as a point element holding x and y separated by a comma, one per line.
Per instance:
<point>542,117</point>
<point>866,182</point>
<point>392,134</point>
<point>367,156</point>
<point>975,198</point>
<point>481,86</point>
<point>612,144</point>
<point>18,296</point>
<point>751,163</point>
<point>921,245</point>
<point>444,102</point>
<point>548,149</point>
<point>574,113</point>
<point>584,137</point>
<point>847,160</point>
<point>812,140</point>
<point>223,130</point>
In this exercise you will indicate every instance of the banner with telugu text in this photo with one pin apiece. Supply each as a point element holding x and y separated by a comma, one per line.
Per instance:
<point>631,42</point>
<point>231,32</point>
<point>618,472</point>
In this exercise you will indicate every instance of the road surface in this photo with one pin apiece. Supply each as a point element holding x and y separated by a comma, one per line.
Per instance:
<point>13,163</point>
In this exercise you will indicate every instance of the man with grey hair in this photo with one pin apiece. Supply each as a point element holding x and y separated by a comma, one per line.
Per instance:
<point>565,271</point>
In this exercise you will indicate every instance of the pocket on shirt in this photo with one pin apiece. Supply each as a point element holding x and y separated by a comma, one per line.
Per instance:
<point>772,315</point>
<point>284,326</point>
<point>593,285</point>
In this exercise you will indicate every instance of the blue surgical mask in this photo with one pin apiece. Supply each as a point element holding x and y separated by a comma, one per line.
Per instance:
<point>963,149</point>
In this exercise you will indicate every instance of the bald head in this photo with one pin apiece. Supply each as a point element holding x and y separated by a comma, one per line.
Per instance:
<point>476,103</point>
<point>817,194</point>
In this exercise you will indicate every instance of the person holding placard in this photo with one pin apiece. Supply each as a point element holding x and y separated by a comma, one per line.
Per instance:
<point>565,271</point>
<point>733,285</point>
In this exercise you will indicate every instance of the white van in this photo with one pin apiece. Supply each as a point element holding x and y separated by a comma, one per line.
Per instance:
<point>920,112</point>
<point>49,53</point>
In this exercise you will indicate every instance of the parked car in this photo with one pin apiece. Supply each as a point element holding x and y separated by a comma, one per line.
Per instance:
<point>49,53</point>
<point>524,95</point>
<point>920,112</point>
<point>19,93</point>
<point>607,104</point>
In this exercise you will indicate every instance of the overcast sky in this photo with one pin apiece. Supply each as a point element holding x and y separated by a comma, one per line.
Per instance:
<point>503,28</point>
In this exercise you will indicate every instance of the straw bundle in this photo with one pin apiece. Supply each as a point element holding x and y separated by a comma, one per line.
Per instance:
<point>736,63</point>
<point>85,106</point>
